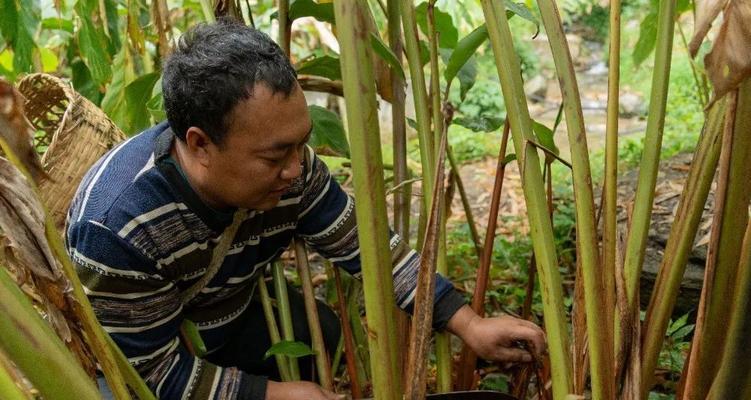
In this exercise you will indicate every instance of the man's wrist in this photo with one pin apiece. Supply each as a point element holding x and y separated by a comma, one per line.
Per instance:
<point>460,324</point>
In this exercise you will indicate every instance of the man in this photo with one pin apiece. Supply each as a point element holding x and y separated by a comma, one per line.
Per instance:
<point>148,215</point>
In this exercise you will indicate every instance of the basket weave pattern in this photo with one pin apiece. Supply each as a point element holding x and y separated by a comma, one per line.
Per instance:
<point>77,132</point>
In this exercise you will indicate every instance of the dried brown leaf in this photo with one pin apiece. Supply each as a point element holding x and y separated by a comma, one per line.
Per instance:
<point>25,246</point>
<point>22,224</point>
<point>16,130</point>
<point>729,61</point>
<point>706,12</point>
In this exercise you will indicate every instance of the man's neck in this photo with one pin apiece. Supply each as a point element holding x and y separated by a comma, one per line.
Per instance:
<point>179,153</point>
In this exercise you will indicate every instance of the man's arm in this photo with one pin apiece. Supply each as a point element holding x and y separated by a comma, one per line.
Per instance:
<point>328,223</point>
<point>142,313</point>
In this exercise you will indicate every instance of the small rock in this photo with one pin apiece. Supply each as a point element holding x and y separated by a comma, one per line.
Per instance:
<point>536,88</point>
<point>631,105</point>
<point>599,68</point>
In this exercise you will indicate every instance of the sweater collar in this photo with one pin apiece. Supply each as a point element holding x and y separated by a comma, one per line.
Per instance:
<point>215,219</point>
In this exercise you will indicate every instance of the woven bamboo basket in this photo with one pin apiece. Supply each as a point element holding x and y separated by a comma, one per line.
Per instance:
<point>76,132</point>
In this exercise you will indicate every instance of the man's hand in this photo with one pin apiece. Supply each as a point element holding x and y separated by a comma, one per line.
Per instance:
<point>299,390</point>
<point>498,339</point>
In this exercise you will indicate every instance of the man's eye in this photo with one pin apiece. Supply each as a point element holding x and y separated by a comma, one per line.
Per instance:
<point>274,160</point>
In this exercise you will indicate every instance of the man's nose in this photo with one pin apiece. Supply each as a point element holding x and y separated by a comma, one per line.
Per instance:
<point>293,168</point>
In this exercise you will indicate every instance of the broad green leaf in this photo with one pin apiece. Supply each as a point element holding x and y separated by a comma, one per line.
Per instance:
<point>328,136</point>
<point>290,349</point>
<point>137,94</point>
<point>18,23</point>
<point>61,24</point>
<point>113,103</point>
<point>23,52</point>
<point>6,59</point>
<point>682,6</point>
<point>114,43</point>
<point>6,64</point>
<point>412,123</point>
<point>82,82</point>
<point>463,51</point>
<point>545,139</point>
<point>682,332</point>
<point>135,31</point>
<point>323,12</point>
<point>386,54</point>
<point>49,60</point>
<point>92,45</point>
<point>467,76</point>
<point>156,106</point>
<point>444,25</point>
<point>9,20</point>
<point>479,123</point>
<point>424,53</point>
<point>647,36</point>
<point>678,324</point>
<point>522,11</point>
<point>325,66</point>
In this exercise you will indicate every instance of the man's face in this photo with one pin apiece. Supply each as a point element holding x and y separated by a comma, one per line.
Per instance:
<point>263,151</point>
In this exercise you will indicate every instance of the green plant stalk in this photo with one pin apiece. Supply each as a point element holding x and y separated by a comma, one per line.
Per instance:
<point>96,336</point>
<point>699,78</point>
<point>645,189</point>
<point>402,197</point>
<point>714,308</point>
<point>733,380</point>
<point>509,73</point>
<point>314,323</point>
<point>347,337</point>
<point>336,362</point>
<point>610,186</point>
<point>468,358</point>
<point>681,240</point>
<point>284,26</point>
<point>422,319</point>
<point>208,11</point>
<point>134,380</point>
<point>36,350</point>
<point>398,125</point>
<point>442,344</point>
<point>268,312</point>
<point>599,328</point>
<point>372,223</point>
<point>8,387</point>
<point>285,314</point>
<point>358,332</point>
<point>465,203</point>
<point>442,339</point>
<point>420,95</point>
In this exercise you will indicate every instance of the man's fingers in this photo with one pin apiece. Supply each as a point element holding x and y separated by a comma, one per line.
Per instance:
<point>528,324</point>
<point>534,336</point>
<point>510,354</point>
<point>333,396</point>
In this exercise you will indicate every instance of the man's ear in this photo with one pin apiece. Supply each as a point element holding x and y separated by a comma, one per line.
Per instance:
<point>198,144</point>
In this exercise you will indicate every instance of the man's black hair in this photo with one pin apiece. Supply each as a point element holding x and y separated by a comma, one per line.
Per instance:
<point>213,68</point>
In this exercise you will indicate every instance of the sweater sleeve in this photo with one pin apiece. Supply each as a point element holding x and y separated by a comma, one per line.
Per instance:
<point>142,313</point>
<point>327,222</point>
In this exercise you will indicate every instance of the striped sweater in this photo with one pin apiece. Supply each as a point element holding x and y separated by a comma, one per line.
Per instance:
<point>140,236</point>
